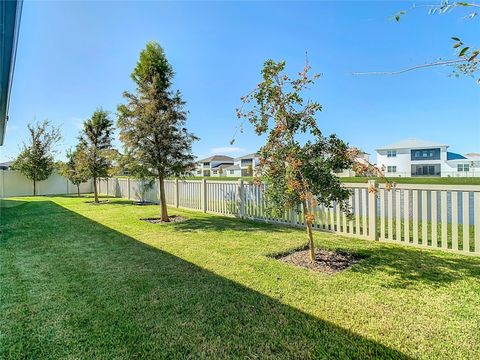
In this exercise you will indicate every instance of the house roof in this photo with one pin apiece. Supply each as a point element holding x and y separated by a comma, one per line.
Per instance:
<point>472,155</point>
<point>217,158</point>
<point>221,166</point>
<point>454,156</point>
<point>6,163</point>
<point>233,167</point>
<point>248,156</point>
<point>412,144</point>
<point>10,13</point>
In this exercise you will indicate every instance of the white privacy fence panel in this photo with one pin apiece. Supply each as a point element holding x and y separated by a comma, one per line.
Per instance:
<point>13,183</point>
<point>430,216</point>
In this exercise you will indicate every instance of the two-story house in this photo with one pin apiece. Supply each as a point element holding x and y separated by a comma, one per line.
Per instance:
<point>413,157</point>
<point>213,166</point>
<point>243,166</point>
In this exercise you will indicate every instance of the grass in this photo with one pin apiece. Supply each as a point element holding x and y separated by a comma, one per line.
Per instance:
<point>93,281</point>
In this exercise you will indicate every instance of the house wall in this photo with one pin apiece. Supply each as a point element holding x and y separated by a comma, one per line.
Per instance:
<point>403,161</point>
<point>236,173</point>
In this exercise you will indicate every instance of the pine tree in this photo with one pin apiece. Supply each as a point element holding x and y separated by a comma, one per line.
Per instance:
<point>152,122</point>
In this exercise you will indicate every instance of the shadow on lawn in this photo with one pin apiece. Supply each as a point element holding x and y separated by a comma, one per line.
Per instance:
<point>414,267</point>
<point>75,288</point>
<point>222,223</point>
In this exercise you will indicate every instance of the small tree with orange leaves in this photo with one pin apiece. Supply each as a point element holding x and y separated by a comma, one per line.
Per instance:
<point>297,163</point>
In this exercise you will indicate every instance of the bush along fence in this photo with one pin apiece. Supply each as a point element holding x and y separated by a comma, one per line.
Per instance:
<point>431,216</point>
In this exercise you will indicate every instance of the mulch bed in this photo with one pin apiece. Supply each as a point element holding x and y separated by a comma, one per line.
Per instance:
<point>326,261</point>
<point>158,220</point>
<point>144,203</point>
<point>99,203</point>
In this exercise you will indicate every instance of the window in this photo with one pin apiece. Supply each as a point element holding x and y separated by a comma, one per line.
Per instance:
<point>206,164</point>
<point>391,153</point>
<point>199,172</point>
<point>215,171</point>
<point>425,154</point>
<point>426,170</point>
<point>232,172</point>
<point>391,169</point>
<point>463,167</point>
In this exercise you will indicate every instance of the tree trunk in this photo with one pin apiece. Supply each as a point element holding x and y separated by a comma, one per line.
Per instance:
<point>95,191</point>
<point>308,225</point>
<point>78,190</point>
<point>34,187</point>
<point>163,202</point>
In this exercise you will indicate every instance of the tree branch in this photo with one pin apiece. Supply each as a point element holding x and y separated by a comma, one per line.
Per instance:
<point>437,63</point>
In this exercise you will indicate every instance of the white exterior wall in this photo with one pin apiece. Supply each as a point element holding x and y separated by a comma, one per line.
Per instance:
<point>402,161</point>
<point>236,173</point>
<point>202,168</point>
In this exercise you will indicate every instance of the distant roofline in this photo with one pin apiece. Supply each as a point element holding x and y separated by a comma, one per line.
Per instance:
<point>216,158</point>
<point>399,145</point>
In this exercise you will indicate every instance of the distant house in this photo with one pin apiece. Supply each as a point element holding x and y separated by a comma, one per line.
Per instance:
<point>213,165</point>
<point>6,165</point>
<point>362,157</point>
<point>413,157</point>
<point>243,166</point>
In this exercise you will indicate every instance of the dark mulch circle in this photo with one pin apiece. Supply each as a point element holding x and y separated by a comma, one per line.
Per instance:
<point>144,203</point>
<point>326,261</point>
<point>158,220</point>
<point>99,203</point>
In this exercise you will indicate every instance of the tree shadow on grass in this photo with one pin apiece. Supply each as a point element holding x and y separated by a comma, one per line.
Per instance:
<point>223,223</point>
<point>75,288</point>
<point>412,267</point>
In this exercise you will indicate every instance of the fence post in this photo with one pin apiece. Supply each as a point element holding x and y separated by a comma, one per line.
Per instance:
<point>176,193</point>
<point>128,190</point>
<point>107,185</point>
<point>241,203</point>
<point>372,209</point>
<point>204,195</point>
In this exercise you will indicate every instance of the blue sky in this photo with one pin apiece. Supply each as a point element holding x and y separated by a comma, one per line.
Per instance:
<point>76,56</point>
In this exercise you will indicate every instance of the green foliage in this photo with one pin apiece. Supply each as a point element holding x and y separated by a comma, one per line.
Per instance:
<point>95,152</point>
<point>297,162</point>
<point>74,170</point>
<point>36,159</point>
<point>294,169</point>
<point>152,123</point>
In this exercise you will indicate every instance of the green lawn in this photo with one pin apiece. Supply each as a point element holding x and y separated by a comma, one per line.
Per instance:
<point>82,281</point>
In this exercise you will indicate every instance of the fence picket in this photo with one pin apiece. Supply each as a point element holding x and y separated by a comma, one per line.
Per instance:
<point>406,216</point>
<point>466,222</point>
<point>415,216</point>
<point>454,220</point>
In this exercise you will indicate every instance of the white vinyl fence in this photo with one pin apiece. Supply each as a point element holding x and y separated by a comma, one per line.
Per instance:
<point>13,183</point>
<point>431,216</point>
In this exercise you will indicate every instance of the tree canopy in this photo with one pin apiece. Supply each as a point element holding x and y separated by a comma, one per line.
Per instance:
<point>297,162</point>
<point>152,122</point>
<point>36,159</point>
<point>95,152</point>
